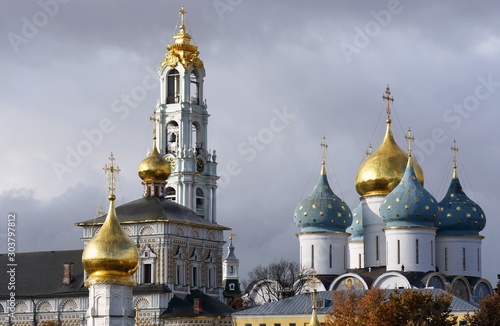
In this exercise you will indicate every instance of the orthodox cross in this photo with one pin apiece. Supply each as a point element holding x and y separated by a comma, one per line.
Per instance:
<point>324,146</point>
<point>183,13</point>
<point>155,120</point>
<point>410,138</point>
<point>389,99</point>
<point>112,172</point>
<point>454,148</point>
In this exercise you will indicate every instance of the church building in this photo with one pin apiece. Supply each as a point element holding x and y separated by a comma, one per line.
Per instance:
<point>399,235</point>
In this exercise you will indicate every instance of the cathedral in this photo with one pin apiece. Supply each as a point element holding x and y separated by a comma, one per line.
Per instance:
<point>399,235</point>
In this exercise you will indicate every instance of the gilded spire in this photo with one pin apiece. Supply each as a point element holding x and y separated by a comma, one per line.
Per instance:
<point>324,146</point>
<point>313,283</point>
<point>110,257</point>
<point>389,99</point>
<point>454,148</point>
<point>182,51</point>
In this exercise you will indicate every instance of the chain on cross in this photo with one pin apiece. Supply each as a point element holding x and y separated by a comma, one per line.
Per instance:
<point>112,170</point>
<point>389,99</point>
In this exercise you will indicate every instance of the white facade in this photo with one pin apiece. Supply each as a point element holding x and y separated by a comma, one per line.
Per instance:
<point>110,305</point>
<point>411,247</point>
<point>374,236</point>
<point>325,252</point>
<point>356,250</point>
<point>459,255</point>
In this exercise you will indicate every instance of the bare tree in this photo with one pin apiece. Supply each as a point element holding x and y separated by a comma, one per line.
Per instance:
<point>276,281</point>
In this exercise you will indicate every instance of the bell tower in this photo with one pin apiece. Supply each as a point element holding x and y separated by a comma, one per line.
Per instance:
<point>182,127</point>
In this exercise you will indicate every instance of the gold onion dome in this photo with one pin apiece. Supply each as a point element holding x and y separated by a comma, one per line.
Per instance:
<point>110,257</point>
<point>154,168</point>
<point>381,171</point>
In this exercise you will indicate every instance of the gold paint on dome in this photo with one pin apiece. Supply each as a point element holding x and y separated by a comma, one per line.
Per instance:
<point>110,257</point>
<point>459,208</point>
<point>321,213</point>
<point>305,213</point>
<point>182,51</point>
<point>313,205</point>
<point>382,171</point>
<point>154,168</point>
<point>329,206</point>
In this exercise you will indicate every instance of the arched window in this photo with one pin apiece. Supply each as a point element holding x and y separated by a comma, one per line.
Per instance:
<point>196,142</point>
<point>194,89</point>
<point>200,200</point>
<point>173,86</point>
<point>170,194</point>
<point>172,131</point>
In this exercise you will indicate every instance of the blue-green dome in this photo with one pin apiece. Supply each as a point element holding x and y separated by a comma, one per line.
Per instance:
<point>409,204</point>
<point>356,228</point>
<point>458,214</point>
<point>322,210</point>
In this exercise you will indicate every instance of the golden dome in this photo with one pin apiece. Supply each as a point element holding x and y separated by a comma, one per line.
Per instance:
<point>382,170</point>
<point>154,168</point>
<point>110,257</point>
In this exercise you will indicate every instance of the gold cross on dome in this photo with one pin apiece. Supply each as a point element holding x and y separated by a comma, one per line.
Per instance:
<point>369,150</point>
<point>324,145</point>
<point>155,120</point>
<point>183,13</point>
<point>231,236</point>
<point>389,99</point>
<point>112,172</point>
<point>410,138</point>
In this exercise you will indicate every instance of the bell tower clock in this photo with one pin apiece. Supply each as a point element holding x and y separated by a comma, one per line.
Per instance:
<point>182,120</point>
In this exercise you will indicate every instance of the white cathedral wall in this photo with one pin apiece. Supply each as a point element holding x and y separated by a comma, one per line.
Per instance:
<point>413,247</point>
<point>325,252</point>
<point>459,255</point>
<point>109,305</point>
<point>356,255</point>
<point>374,236</point>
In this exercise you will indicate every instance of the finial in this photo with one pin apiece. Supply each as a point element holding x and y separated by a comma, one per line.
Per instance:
<point>454,148</point>
<point>389,99</point>
<point>369,150</point>
<point>409,138</point>
<point>231,236</point>
<point>154,119</point>
<point>183,13</point>
<point>112,172</point>
<point>324,146</point>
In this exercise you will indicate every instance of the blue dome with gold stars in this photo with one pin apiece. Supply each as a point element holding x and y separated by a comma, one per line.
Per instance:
<point>356,228</point>
<point>409,204</point>
<point>322,210</point>
<point>458,214</point>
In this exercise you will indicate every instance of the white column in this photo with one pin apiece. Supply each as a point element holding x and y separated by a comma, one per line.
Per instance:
<point>374,236</point>
<point>110,305</point>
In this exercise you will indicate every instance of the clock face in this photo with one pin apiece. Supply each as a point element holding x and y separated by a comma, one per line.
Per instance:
<point>200,165</point>
<point>171,160</point>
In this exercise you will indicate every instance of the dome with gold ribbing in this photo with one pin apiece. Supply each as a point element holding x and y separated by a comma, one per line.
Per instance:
<point>380,172</point>
<point>110,257</point>
<point>154,168</point>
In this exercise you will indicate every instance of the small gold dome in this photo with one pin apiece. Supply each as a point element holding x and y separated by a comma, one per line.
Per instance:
<point>154,168</point>
<point>110,257</point>
<point>382,170</point>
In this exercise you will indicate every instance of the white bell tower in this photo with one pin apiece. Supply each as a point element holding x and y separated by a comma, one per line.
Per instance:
<point>182,127</point>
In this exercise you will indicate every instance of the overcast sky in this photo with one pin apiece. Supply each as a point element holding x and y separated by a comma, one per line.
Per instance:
<point>311,68</point>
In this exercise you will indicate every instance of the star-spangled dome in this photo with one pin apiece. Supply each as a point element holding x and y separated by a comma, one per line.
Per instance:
<point>356,228</point>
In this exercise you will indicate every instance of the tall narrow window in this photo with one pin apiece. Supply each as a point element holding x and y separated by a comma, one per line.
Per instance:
<point>432,253</point>
<point>478,260</point>
<point>416,251</point>
<point>194,89</point>
<point>200,199</point>
<point>359,260</point>
<point>173,86</point>
<point>210,276</point>
<point>146,273</point>
<point>195,276</point>
<point>445,259</point>
<point>330,256</point>
<point>376,249</point>
<point>312,256</point>
<point>399,252</point>
<point>464,266</point>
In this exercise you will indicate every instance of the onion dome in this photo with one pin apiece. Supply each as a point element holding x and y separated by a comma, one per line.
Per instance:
<point>380,172</point>
<point>322,210</point>
<point>356,228</point>
<point>110,257</point>
<point>458,214</point>
<point>154,168</point>
<point>409,204</point>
